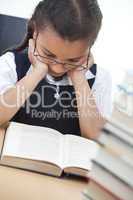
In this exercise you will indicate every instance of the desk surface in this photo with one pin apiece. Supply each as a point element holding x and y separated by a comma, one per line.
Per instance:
<point>16,184</point>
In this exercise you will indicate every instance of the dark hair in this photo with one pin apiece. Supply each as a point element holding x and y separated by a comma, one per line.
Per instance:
<point>71,19</point>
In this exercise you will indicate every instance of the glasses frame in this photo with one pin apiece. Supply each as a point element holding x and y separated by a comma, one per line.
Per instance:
<point>78,67</point>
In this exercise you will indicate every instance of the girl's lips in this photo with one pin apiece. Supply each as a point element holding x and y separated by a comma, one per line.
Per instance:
<point>58,77</point>
<point>56,74</point>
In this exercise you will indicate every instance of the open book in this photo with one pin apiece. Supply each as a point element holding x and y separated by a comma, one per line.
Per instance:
<point>46,150</point>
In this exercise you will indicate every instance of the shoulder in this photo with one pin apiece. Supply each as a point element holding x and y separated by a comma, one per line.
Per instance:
<point>7,58</point>
<point>7,62</point>
<point>102,90</point>
<point>103,78</point>
<point>8,75</point>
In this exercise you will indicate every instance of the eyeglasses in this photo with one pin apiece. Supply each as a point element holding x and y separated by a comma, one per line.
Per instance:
<point>51,61</point>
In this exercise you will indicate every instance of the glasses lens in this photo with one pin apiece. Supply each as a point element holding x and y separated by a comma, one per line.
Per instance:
<point>67,66</point>
<point>77,67</point>
<point>45,60</point>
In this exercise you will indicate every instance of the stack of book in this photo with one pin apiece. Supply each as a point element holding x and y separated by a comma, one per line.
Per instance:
<point>105,186</point>
<point>112,174</point>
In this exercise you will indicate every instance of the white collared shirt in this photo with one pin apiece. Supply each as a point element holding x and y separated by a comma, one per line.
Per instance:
<point>102,88</point>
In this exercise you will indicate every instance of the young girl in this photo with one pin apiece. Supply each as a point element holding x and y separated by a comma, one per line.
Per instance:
<point>51,80</point>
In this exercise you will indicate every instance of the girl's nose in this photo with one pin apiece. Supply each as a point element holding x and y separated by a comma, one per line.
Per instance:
<point>58,68</point>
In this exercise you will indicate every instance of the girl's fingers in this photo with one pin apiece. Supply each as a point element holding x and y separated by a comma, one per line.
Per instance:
<point>34,61</point>
<point>90,63</point>
<point>31,52</point>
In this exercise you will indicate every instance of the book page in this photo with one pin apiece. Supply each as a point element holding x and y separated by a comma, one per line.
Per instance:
<point>32,142</point>
<point>79,152</point>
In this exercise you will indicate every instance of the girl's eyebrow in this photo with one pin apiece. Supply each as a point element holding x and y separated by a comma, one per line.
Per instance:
<point>48,51</point>
<point>77,58</point>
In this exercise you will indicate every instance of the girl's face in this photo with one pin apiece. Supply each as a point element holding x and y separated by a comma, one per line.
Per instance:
<point>50,46</point>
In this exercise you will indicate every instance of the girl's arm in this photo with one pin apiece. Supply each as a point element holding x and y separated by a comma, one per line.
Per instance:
<point>90,119</point>
<point>14,98</point>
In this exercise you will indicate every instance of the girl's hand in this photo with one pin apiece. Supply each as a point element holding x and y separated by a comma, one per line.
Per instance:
<point>37,65</point>
<point>78,75</point>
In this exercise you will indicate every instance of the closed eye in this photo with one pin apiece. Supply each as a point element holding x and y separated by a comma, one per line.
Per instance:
<point>51,56</point>
<point>47,54</point>
<point>73,60</point>
<point>54,57</point>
